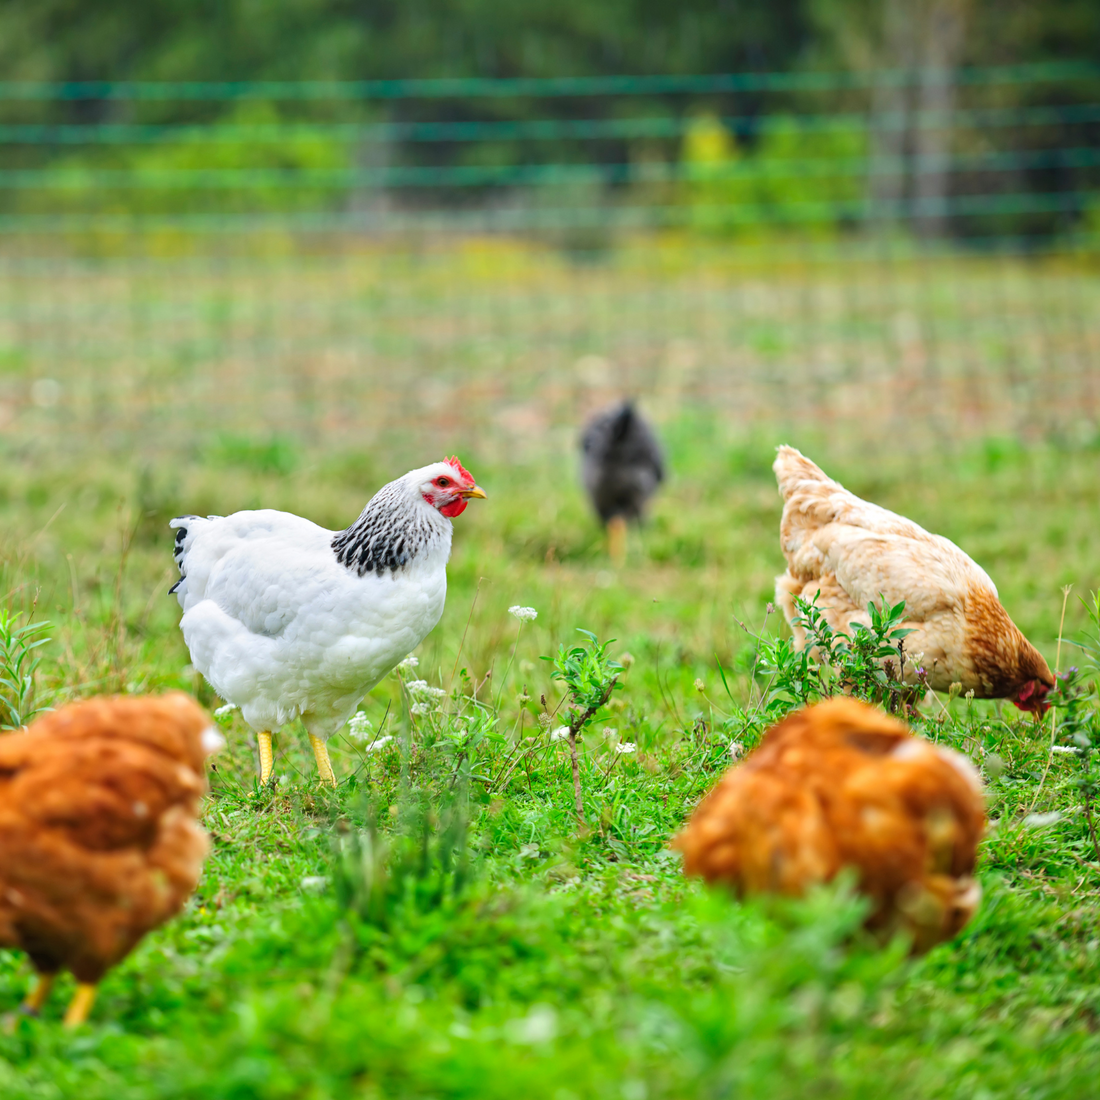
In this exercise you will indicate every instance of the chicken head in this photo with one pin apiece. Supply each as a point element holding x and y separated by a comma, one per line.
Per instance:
<point>448,485</point>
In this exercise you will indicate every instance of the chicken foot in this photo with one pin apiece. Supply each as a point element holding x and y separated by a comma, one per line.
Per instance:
<point>324,765</point>
<point>80,1005</point>
<point>37,997</point>
<point>616,540</point>
<point>263,737</point>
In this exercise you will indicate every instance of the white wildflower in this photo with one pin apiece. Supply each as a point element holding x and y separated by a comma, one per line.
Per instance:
<point>378,742</point>
<point>626,746</point>
<point>524,614</point>
<point>360,727</point>
<point>224,712</point>
<point>421,689</point>
<point>609,731</point>
<point>427,698</point>
<point>1063,748</point>
<point>409,662</point>
<point>559,734</point>
<point>540,1025</point>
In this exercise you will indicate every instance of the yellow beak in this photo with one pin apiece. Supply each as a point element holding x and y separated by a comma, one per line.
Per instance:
<point>476,491</point>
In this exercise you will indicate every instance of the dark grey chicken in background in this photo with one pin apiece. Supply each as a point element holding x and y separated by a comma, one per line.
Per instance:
<point>623,465</point>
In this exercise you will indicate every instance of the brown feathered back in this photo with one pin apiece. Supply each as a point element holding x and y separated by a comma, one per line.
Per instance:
<point>848,553</point>
<point>840,785</point>
<point>99,833</point>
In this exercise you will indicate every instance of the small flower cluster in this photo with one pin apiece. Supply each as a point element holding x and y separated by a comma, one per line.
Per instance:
<point>360,727</point>
<point>426,698</point>
<point>916,660</point>
<point>226,711</point>
<point>524,614</point>
<point>626,746</point>
<point>378,742</point>
<point>408,663</point>
<point>421,689</point>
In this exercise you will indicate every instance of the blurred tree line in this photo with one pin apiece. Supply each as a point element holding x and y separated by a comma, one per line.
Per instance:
<point>347,39</point>
<point>728,153</point>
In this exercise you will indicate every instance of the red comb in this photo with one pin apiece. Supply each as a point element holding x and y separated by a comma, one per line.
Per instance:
<point>453,461</point>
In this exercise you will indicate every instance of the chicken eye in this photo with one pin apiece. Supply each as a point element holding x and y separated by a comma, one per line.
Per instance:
<point>443,482</point>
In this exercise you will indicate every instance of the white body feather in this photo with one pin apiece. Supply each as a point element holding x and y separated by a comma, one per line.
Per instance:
<point>283,630</point>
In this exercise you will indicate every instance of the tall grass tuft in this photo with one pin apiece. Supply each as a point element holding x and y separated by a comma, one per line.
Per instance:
<point>19,692</point>
<point>385,880</point>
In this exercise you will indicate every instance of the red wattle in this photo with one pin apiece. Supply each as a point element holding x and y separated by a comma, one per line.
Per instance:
<point>455,508</point>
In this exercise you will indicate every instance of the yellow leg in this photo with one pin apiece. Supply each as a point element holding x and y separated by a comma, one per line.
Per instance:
<point>36,999</point>
<point>616,540</point>
<point>266,758</point>
<point>80,1005</point>
<point>324,765</point>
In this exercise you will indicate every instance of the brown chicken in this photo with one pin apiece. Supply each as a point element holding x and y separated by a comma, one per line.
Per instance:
<point>839,785</point>
<point>849,553</point>
<point>99,833</point>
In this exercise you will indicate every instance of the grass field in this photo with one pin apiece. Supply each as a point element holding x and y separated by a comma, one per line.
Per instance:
<point>551,961</point>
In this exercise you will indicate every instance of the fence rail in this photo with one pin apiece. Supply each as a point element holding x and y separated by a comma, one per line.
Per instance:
<point>424,262</point>
<point>534,87</point>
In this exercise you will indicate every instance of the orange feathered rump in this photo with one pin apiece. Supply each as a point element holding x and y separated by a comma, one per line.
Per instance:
<point>99,833</point>
<point>840,785</point>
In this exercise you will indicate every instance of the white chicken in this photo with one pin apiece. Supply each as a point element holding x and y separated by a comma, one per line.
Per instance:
<point>288,620</point>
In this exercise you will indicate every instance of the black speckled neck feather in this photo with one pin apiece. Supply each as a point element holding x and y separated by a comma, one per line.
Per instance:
<point>389,534</point>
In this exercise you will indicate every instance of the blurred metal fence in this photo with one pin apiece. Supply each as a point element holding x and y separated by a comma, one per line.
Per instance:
<point>901,257</point>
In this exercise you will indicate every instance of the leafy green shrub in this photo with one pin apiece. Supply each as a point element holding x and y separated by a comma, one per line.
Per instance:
<point>869,664</point>
<point>590,677</point>
<point>795,177</point>
<point>231,165</point>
